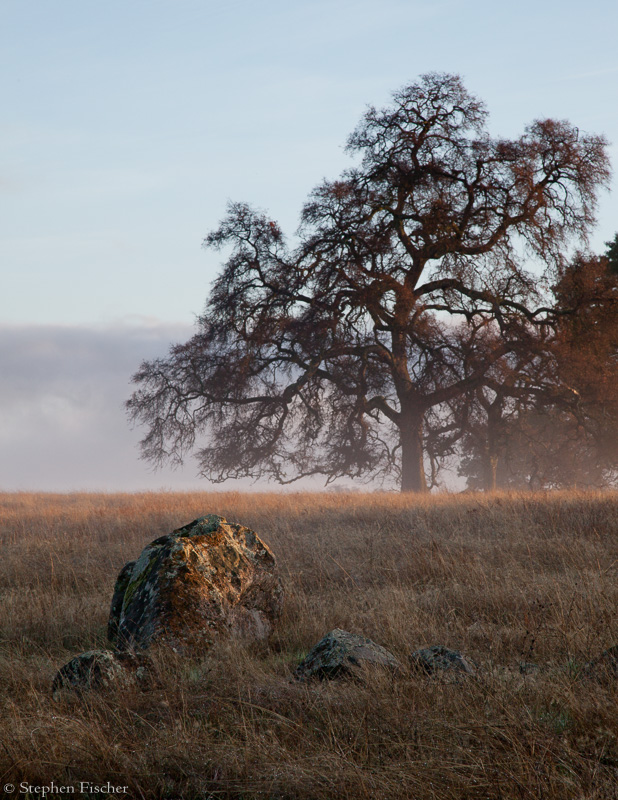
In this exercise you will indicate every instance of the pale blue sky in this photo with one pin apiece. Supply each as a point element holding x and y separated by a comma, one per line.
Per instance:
<point>126,126</point>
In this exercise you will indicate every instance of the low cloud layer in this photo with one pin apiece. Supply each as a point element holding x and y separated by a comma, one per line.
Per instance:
<point>62,422</point>
<point>63,425</point>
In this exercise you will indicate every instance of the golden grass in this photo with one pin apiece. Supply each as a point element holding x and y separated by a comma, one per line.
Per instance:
<point>505,578</point>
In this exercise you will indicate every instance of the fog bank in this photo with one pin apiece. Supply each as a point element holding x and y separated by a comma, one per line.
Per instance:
<point>63,426</point>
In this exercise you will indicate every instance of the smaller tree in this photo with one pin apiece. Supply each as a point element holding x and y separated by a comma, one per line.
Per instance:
<point>587,352</point>
<point>551,417</point>
<point>611,254</point>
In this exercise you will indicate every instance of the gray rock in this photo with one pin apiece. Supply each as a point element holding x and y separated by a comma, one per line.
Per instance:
<point>528,668</point>
<point>207,579</point>
<point>100,669</point>
<point>437,659</point>
<point>343,655</point>
<point>120,588</point>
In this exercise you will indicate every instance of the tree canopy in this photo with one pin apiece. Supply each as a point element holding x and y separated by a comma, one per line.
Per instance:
<point>420,271</point>
<point>611,254</point>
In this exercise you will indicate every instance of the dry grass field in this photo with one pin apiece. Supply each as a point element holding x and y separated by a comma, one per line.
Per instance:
<point>507,579</point>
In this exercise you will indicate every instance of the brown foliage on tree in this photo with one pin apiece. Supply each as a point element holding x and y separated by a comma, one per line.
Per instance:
<point>547,416</point>
<point>328,357</point>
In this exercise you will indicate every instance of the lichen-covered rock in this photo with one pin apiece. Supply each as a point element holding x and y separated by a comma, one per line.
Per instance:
<point>437,659</point>
<point>604,667</point>
<point>343,655</point>
<point>99,669</point>
<point>120,588</point>
<point>204,580</point>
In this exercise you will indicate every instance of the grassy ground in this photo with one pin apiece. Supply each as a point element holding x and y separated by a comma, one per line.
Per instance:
<point>504,578</point>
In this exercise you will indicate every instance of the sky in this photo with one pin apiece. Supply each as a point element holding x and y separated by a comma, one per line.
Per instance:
<point>126,127</point>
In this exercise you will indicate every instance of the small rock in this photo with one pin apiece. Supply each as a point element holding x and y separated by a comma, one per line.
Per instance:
<point>438,658</point>
<point>342,655</point>
<point>208,579</point>
<point>99,669</point>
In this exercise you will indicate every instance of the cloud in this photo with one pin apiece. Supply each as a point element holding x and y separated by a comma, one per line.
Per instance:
<point>62,420</point>
<point>63,425</point>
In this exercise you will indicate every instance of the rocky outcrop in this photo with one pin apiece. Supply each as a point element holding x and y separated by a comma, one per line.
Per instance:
<point>343,655</point>
<point>438,659</point>
<point>207,579</point>
<point>100,669</point>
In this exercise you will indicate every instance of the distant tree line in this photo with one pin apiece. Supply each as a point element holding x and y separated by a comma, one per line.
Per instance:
<point>429,317</point>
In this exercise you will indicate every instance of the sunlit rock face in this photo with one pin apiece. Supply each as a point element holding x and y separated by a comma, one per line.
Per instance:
<point>210,578</point>
<point>341,654</point>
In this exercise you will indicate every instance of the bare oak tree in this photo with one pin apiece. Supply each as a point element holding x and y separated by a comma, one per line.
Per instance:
<point>326,358</point>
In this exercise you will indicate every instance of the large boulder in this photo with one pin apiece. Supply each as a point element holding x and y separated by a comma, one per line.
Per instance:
<point>341,654</point>
<point>207,579</point>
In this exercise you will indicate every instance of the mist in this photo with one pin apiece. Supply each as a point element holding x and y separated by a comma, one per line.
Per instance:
<point>63,426</point>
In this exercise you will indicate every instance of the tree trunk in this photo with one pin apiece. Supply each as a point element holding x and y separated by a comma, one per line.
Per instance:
<point>493,473</point>
<point>489,470</point>
<point>412,468</point>
<point>491,456</point>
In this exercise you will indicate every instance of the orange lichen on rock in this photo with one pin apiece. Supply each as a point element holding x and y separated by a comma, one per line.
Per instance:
<point>207,579</point>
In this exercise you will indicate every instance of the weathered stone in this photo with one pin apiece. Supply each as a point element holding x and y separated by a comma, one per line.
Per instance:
<point>207,579</point>
<point>120,588</point>
<point>100,669</point>
<point>604,667</point>
<point>343,655</point>
<point>528,668</point>
<point>438,658</point>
